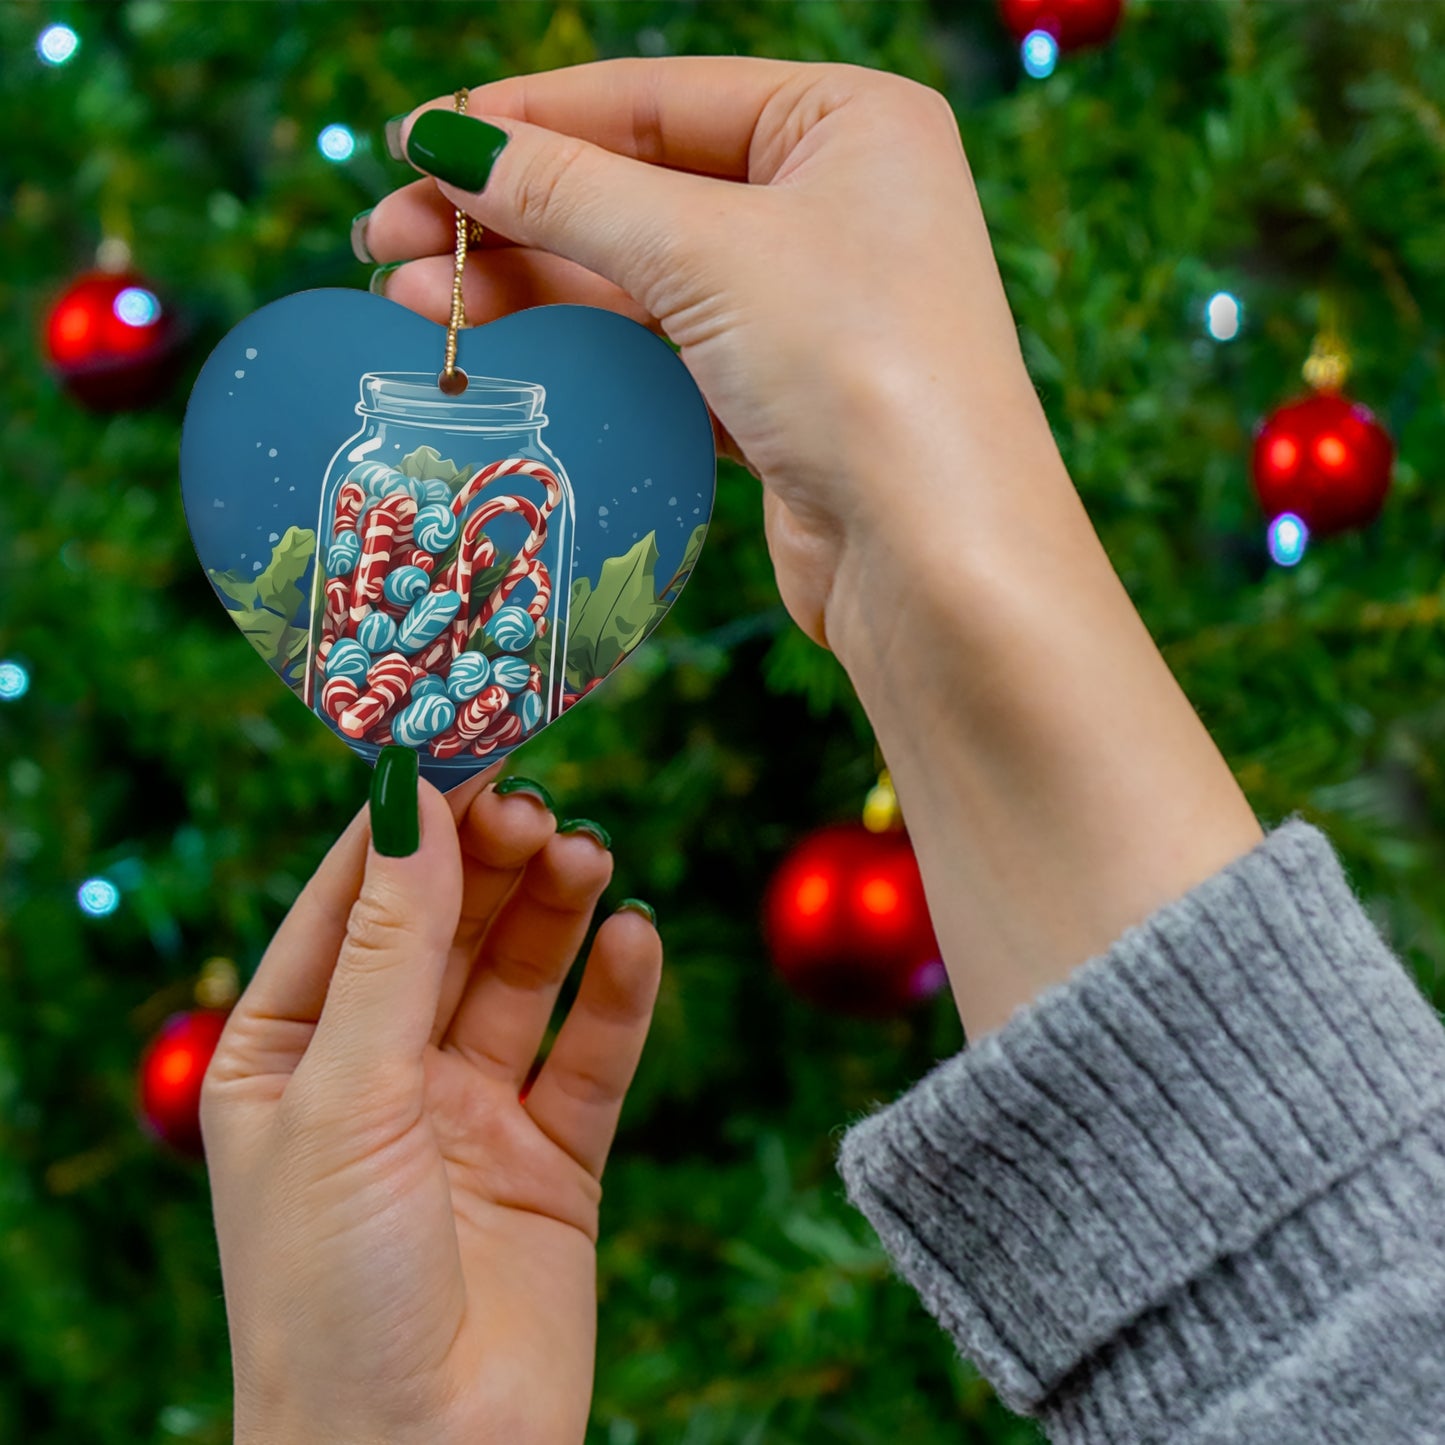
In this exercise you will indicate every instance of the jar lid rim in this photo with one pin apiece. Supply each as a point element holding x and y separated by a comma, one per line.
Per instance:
<point>416,394</point>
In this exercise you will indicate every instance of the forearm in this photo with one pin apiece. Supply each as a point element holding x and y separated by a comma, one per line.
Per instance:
<point>1056,782</point>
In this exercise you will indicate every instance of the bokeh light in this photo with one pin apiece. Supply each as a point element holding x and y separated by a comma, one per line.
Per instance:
<point>98,897</point>
<point>137,307</point>
<point>336,143</point>
<point>1288,538</point>
<point>14,681</point>
<point>57,44</point>
<point>1040,52</point>
<point>1223,316</point>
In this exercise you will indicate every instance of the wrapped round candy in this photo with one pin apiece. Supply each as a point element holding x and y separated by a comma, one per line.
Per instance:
<point>376,632</point>
<point>429,617</point>
<point>422,719</point>
<point>529,709</point>
<point>406,584</point>
<point>428,686</point>
<point>511,628</point>
<point>469,674</point>
<point>376,479</point>
<point>511,673</point>
<point>348,658</point>
<point>435,527</point>
<point>436,490</point>
<point>343,554</point>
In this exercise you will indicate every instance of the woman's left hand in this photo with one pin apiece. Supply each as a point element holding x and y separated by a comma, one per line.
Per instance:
<point>408,1245</point>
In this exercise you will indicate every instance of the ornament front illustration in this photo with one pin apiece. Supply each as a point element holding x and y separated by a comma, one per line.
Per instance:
<point>439,613</point>
<point>450,585</point>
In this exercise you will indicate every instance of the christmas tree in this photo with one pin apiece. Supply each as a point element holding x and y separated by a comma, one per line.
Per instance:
<point>1212,162</point>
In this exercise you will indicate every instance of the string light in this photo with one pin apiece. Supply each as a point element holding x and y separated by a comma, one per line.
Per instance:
<point>98,897</point>
<point>1223,316</point>
<point>136,306</point>
<point>1040,52</point>
<point>57,44</point>
<point>14,681</point>
<point>336,143</point>
<point>1288,538</point>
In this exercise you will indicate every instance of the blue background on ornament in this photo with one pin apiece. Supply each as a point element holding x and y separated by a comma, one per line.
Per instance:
<point>278,397</point>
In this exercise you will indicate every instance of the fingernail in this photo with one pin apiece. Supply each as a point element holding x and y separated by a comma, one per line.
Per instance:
<point>454,148</point>
<point>393,137</point>
<point>359,248</point>
<point>586,825</point>
<point>525,785</point>
<point>379,278</point>
<point>636,905</point>
<point>395,820</point>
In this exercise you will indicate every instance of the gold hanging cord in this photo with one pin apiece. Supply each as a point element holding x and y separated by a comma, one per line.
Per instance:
<point>452,380</point>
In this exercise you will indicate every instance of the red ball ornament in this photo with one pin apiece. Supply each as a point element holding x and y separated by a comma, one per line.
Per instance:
<point>1073,23</point>
<point>171,1071</point>
<point>1324,458</point>
<point>847,923</point>
<point>111,341</point>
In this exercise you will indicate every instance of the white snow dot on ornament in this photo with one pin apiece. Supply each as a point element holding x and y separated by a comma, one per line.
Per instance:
<point>250,353</point>
<point>239,374</point>
<point>272,452</point>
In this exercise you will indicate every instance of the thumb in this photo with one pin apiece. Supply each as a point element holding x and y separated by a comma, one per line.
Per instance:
<point>628,221</point>
<point>382,1000</point>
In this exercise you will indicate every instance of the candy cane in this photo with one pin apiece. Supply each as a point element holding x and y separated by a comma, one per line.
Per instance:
<point>387,684</point>
<point>513,466</point>
<point>507,730</point>
<point>471,720</point>
<point>526,564</point>
<point>383,525</point>
<point>349,502</point>
<point>338,694</point>
<point>477,552</point>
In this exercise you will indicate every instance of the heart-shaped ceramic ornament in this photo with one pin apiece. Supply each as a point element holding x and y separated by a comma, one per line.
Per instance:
<point>448,572</point>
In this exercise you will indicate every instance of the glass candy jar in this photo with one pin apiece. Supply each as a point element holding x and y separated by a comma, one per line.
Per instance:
<point>444,569</point>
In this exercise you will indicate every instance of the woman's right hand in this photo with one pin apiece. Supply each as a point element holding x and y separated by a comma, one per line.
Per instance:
<point>810,238</point>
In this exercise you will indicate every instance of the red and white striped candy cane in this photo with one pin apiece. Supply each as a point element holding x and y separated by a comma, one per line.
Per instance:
<point>381,735</point>
<point>413,556</point>
<point>387,684</point>
<point>477,552</point>
<point>349,501</point>
<point>338,694</point>
<point>384,524</point>
<point>505,730</point>
<point>512,467</point>
<point>471,720</point>
<point>526,564</point>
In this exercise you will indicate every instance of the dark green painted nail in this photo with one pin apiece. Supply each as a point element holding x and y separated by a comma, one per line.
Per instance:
<point>525,785</point>
<point>393,137</point>
<point>379,278</point>
<point>586,825</point>
<point>359,248</point>
<point>454,148</point>
<point>395,820</point>
<point>636,905</point>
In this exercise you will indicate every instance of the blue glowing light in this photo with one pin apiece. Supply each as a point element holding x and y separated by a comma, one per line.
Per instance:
<point>1223,316</point>
<point>98,897</point>
<point>336,143</point>
<point>14,681</point>
<point>1040,53</point>
<point>57,44</point>
<point>137,307</point>
<point>1288,538</point>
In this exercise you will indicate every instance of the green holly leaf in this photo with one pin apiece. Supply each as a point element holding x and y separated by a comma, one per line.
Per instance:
<point>426,464</point>
<point>269,601</point>
<point>609,618</point>
<point>690,554</point>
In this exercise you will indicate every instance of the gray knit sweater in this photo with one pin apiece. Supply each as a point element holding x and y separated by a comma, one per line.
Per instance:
<point>1196,1192</point>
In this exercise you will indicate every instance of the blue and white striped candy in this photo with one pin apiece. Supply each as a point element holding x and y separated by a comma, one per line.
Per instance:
<point>511,628</point>
<point>436,490</point>
<point>343,554</point>
<point>528,707</point>
<point>423,718</point>
<point>469,674</point>
<point>376,479</point>
<point>429,685</point>
<point>348,658</point>
<point>377,633</point>
<point>512,673</point>
<point>405,585</point>
<point>427,620</point>
<point>435,527</point>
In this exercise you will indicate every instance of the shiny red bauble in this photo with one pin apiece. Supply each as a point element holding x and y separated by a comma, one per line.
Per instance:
<point>1073,23</point>
<point>847,923</point>
<point>1324,458</point>
<point>112,341</point>
<point>171,1071</point>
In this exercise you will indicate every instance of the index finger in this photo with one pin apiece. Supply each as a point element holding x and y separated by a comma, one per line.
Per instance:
<point>696,113</point>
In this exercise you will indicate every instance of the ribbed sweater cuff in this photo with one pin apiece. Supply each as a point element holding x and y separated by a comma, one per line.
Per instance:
<point>1140,1167</point>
